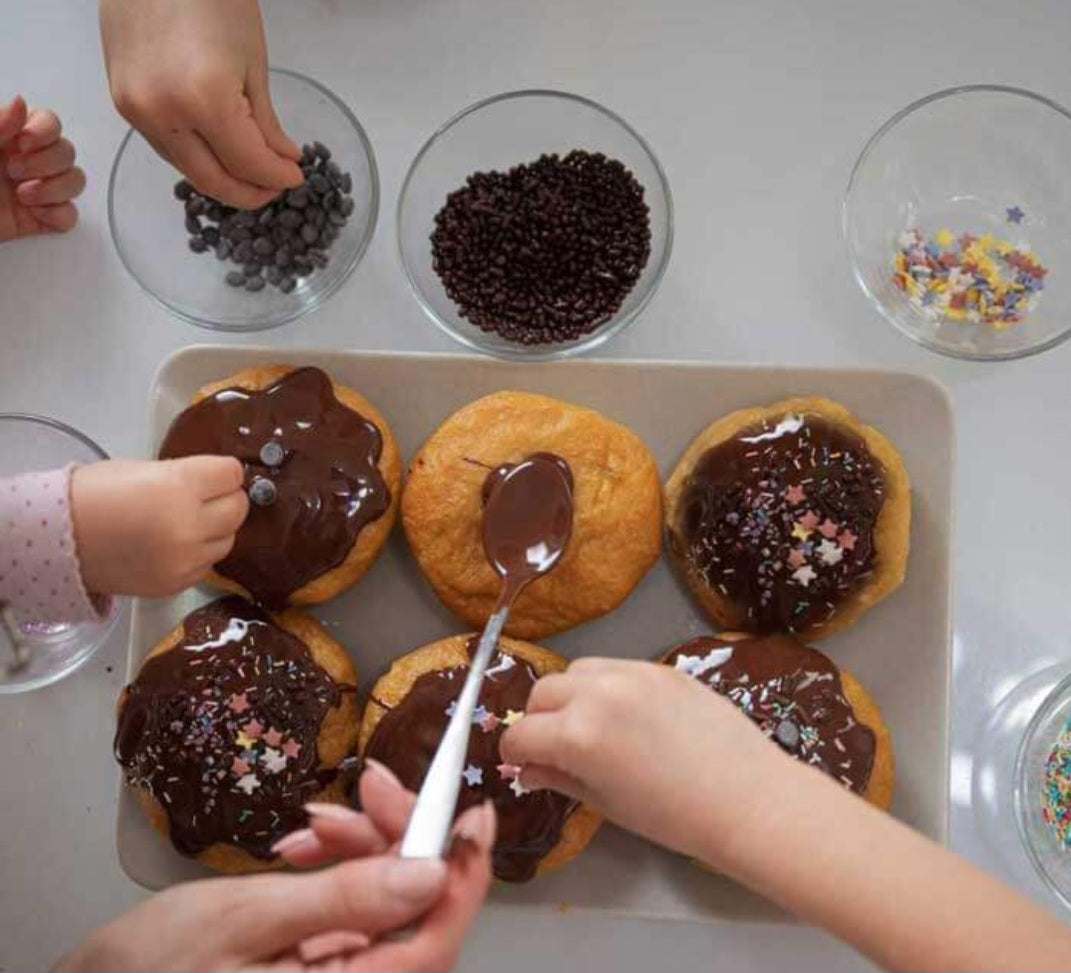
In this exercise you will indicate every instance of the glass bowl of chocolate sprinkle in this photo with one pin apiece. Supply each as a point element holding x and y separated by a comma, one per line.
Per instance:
<point>534,225</point>
<point>249,270</point>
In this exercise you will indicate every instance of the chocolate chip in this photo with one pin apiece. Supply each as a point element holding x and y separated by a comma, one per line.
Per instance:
<point>297,198</point>
<point>195,205</point>
<point>273,274</point>
<point>243,253</point>
<point>197,244</point>
<point>336,219</point>
<point>223,250</point>
<point>346,206</point>
<point>287,284</point>
<point>787,733</point>
<point>183,190</point>
<point>309,233</point>
<point>291,219</point>
<point>267,217</point>
<point>282,257</point>
<point>254,284</point>
<point>252,270</point>
<point>321,151</point>
<point>346,183</point>
<point>319,184</point>
<point>546,251</point>
<point>235,278</point>
<point>264,246</point>
<point>262,491</point>
<point>210,235</point>
<point>272,453</point>
<point>193,225</point>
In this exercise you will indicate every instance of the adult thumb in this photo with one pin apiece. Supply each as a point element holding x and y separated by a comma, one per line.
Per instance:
<point>12,120</point>
<point>369,895</point>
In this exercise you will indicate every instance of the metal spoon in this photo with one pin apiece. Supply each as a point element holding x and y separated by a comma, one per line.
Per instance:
<point>526,525</point>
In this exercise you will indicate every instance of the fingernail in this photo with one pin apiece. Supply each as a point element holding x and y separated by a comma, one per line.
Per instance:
<point>334,812</point>
<point>15,169</point>
<point>383,772</point>
<point>291,841</point>
<point>477,824</point>
<point>415,880</point>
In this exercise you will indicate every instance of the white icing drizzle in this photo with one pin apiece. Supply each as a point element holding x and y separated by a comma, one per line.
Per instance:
<point>236,630</point>
<point>507,663</point>
<point>697,665</point>
<point>790,424</point>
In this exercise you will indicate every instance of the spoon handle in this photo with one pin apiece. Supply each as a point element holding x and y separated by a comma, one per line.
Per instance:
<point>428,831</point>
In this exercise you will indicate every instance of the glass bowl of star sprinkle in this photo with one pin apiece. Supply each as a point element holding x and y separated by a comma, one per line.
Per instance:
<point>957,218</point>
<point>1043,791</point>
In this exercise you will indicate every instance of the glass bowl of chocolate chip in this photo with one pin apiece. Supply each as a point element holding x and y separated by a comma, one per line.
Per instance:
<point>248,270</point>
<point>535,225</point>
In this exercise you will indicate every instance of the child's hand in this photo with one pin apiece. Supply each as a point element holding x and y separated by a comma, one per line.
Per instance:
<point>647,746</point>
<point>154,527</point>
<point>192,77</point>
<point>38,177</point>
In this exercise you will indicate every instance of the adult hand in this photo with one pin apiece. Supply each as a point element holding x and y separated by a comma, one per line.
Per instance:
<point>38,177</point>
<point>327,920</point>
<point>648,747</point>
<point>155,527</point>
<point>192,77</point>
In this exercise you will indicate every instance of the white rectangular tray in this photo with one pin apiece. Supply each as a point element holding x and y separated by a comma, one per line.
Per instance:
<point>900,650</point>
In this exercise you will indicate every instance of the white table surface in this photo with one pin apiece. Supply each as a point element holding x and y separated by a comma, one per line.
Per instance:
<point>757,111</point>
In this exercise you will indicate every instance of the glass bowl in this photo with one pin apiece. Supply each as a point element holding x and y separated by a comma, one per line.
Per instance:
<point>51,650</point>
<point>1050,857</point>
<point>496,134</point>
<point>147,222</point>
<point>978,159</point>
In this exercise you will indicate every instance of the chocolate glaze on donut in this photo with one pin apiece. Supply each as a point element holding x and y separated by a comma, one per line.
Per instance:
<point>222,730</point>
<point>327,484</point>
<point>407,735</point>
<point>793,693</point>
<point>780,519</point>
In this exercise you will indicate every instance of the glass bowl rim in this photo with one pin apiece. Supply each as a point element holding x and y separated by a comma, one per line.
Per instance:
<point>313,302</point>
<point>57,425</point>
<point>49,679</point>
<point>846,207</point>
<point>529,352</point>
<point>1059,691</point>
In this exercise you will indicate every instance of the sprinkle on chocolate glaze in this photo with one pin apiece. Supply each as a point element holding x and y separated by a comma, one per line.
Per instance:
<point>779,520</point>
<point>406,737</point>
<point>794,695</point>
<point>222,730</point>
<point>320,457</point>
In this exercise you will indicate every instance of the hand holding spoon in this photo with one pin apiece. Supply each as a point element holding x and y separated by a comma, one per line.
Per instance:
<point>527,522</point>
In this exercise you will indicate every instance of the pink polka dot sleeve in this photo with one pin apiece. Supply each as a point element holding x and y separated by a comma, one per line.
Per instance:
<point>39,572</point>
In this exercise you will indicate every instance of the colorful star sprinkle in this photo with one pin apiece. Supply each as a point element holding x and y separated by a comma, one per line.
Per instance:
<point>479,715</point>
<point>519,790</point>
<point>794,494</point>
<point>1056,799</point>
<point>512,716</point>
<point>273,737</point>
<point>244,740</point>
<point>508,771</point>
<point>975,279</point>
<point>473,775</point>
<point>273,761</point>
<point>238,703</point>
<point>1015,214</point>
<point>829,553</point>
<point>248,783</point>
<point>489,723</point>
<point>804,575</point>
<point>292,748</point>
